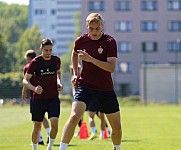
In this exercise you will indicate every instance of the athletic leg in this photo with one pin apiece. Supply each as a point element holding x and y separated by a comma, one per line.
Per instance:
<point>77,111</point>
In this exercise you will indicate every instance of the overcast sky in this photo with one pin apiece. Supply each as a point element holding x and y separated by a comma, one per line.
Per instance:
<point>21,2</point>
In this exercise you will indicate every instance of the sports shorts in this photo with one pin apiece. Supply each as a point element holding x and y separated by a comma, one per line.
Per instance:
<point>40,106</point>
<point>107,100</point>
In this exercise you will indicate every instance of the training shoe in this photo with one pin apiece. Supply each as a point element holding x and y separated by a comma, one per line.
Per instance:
<point>41,143</point>
<point>93,136</point>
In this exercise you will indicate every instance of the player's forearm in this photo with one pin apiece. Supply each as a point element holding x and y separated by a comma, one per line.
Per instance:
<point>24,89</point>
<point>59,77</point>
<point>75,63</point>
<point>107,66</point>
<point>28,85</point>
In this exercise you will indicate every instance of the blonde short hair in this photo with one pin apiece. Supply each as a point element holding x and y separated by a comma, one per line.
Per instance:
<point>94,17</point>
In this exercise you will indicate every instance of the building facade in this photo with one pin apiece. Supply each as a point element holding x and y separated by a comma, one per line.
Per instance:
<point>56,20</point>
<point>160,83</point>
<point>147,32</point>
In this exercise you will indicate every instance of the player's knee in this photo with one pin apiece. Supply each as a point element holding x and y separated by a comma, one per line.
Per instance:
<point>116,127</point>
<point>74,119</point>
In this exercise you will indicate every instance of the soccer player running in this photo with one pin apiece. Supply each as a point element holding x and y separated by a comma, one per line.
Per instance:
<point>30,54</point>
<point>46,71</point>
<point>98,52</point>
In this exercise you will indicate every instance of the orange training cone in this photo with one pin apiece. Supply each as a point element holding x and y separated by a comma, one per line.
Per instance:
<point>105,133</point>
<point>83,131</point>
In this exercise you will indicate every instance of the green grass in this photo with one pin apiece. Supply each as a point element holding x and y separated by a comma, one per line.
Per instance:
<point>152,127</point>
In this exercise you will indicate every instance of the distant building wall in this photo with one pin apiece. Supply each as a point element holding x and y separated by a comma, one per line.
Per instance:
<point>160,83</point>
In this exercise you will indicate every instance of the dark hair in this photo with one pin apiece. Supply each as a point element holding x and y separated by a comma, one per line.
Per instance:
<point>30,53</point>
<point>46,42</point>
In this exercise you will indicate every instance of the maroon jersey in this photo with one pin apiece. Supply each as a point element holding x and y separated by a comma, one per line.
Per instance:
<point>92,76</point>
<point>31,80</point>
<point>45,75</point>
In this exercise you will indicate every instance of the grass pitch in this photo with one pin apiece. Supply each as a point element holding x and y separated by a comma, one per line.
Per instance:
<point>151,127</point>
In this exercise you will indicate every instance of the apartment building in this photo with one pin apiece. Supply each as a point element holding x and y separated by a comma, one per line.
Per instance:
<point>55,19</point>
<point>147,32</point>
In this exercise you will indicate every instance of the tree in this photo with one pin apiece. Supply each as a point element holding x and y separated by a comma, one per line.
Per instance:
<point>13,20</point>
<point>30,39</point>
<point>3,56</point>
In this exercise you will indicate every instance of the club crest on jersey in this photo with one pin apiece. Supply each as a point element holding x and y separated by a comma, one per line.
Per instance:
<point>100,50</point>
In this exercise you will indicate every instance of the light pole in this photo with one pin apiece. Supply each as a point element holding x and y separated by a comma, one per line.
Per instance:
<point>176,70</point>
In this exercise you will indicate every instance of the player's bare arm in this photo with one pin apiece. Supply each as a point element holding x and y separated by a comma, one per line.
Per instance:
<point>108,66</point>
<point>75,67</point>
<point>24,93</point>
<point>26,82</point>
<point>59,85</point>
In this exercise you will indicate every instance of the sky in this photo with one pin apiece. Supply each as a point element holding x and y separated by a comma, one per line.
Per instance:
<point>20,2</point>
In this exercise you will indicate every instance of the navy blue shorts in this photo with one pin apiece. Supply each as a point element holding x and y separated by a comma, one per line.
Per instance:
<point>94,106</point>
<point>40,106</point>
<point>105,100</point>
<point>30,105</point>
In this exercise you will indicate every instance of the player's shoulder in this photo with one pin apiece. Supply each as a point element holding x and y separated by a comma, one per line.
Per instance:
<point>37,58</point>
<point>83,36</point>
<point>55,57</point>
<point>26,67</point>
<point>108,37</point>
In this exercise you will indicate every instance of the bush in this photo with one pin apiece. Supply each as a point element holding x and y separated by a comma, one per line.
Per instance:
<point>131,100</point>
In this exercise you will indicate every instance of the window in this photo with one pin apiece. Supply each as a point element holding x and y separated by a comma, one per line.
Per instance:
<point>122,5</point>
<point>174,46</point>
<point>123,26</point>
<point>53,11</point>
<point>174,26</point>
<point>40,11</point>
<point>174,5</point>
<point>123,67</point>
<point>96,6</point>
<point>125,89</point>
<point>124,46</point>
<point>149,26</point>
<point>149,46</point>
<point>151,5</point>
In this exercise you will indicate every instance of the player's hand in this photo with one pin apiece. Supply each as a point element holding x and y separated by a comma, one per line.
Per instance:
<point>59,87</point>
<point>83,55</point>
<point>38,89</point>
<point>74,80</point>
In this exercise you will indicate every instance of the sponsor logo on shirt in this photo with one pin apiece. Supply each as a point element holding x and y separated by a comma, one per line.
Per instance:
<point>46,72</point>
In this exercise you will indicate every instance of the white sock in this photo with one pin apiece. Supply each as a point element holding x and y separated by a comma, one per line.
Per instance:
<point>50,144</point>
<point>108,130</point>
<point>117,147</point>
<point>40,137</point>
<point>102,133</point>
<point>48,131</point>
<point>93,130</point>
<point>63,146</point>
<point>34,146</point>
